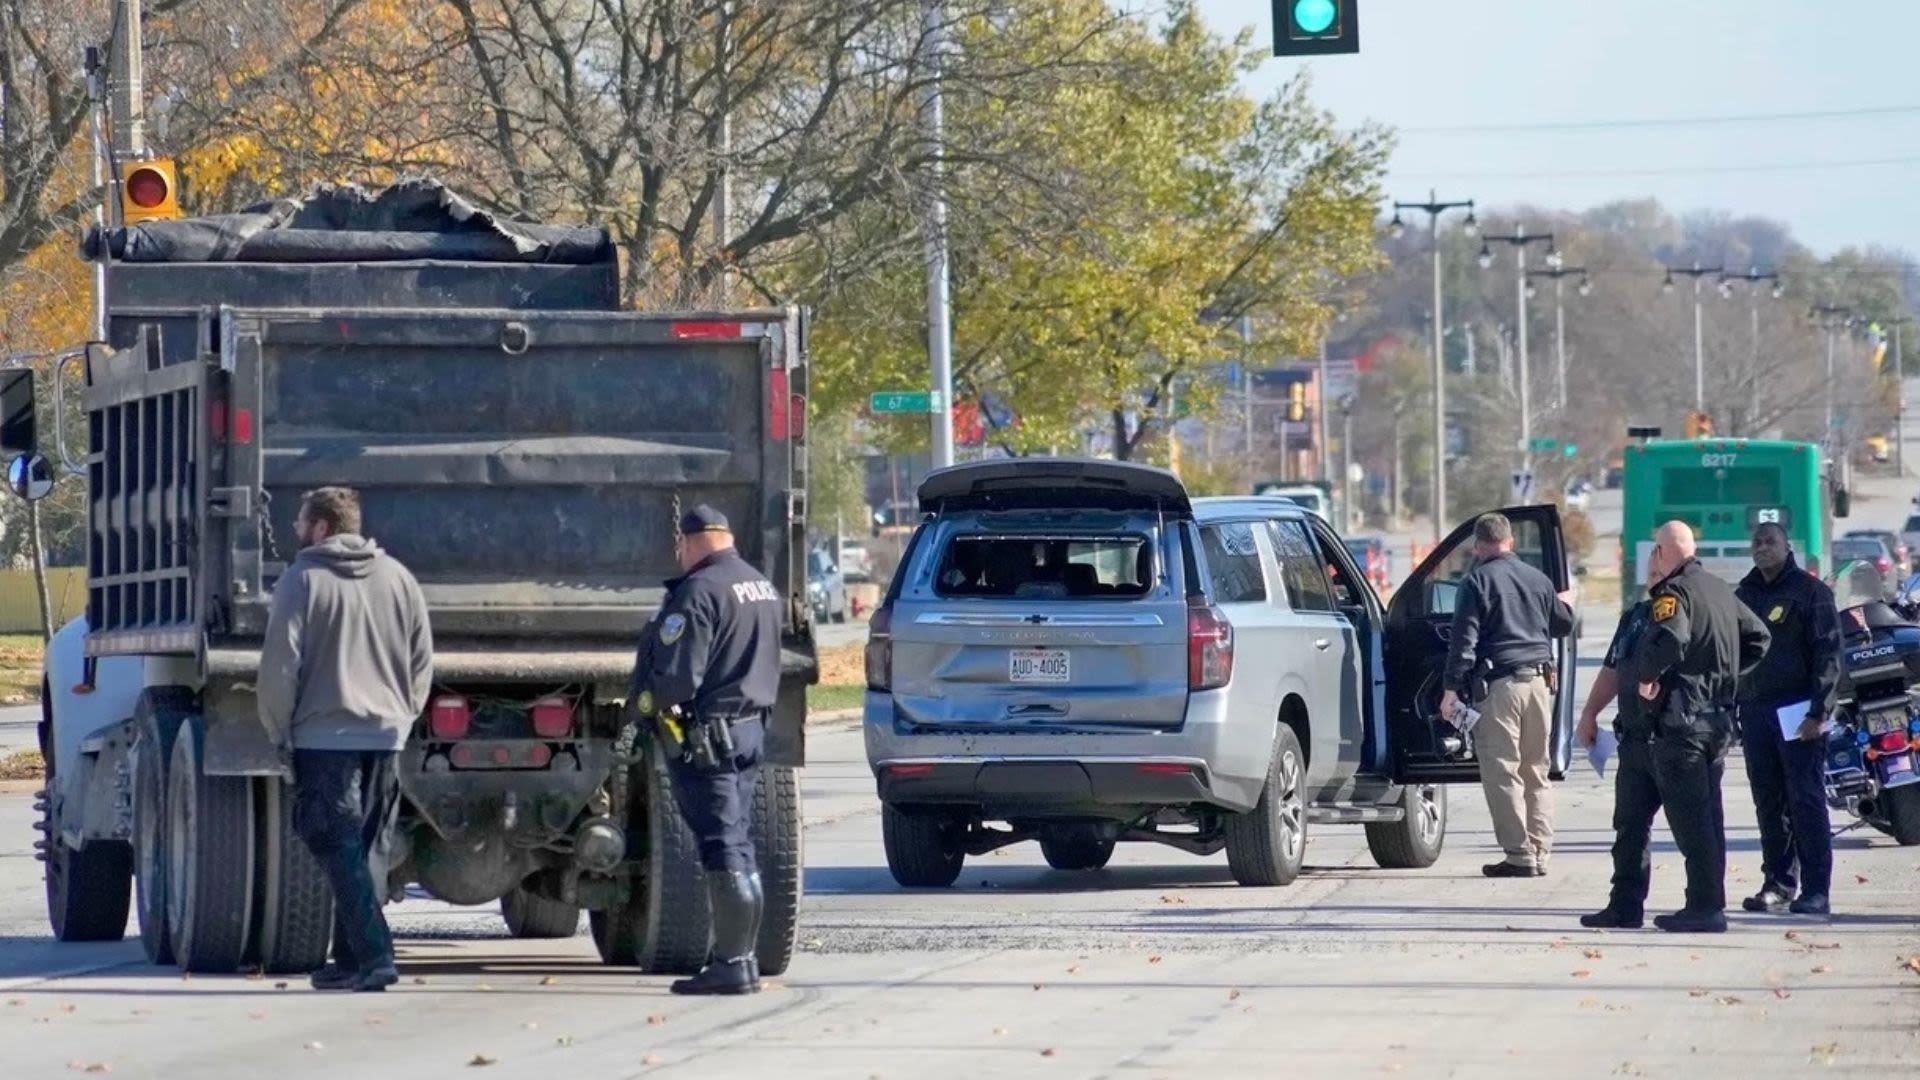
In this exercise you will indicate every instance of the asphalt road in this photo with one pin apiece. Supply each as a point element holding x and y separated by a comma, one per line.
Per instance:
<point>1155,967</point>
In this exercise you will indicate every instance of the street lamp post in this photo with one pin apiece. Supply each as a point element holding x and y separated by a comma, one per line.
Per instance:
<point>1753,277</point>
<point>1560,322</point>
<point>1434,208</point>
<point>1696,272</point>
<point>1519,241</point>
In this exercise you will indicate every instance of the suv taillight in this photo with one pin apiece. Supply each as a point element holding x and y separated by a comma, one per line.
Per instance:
<point>1209,649</point>
<point>880,651</point>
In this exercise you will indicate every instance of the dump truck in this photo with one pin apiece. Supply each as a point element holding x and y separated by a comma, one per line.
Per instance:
<point>524,445</point>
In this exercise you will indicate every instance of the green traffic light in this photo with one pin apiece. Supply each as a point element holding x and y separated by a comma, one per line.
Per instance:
<point>1314,16</point>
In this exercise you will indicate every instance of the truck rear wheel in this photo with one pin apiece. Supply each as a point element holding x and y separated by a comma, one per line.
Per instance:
<point>295,914</point>
<point>156,723</point>
<point>1413,842</point>
<point>531,917</point>
<point>665,926</point>
<point>209,860</point>
<point>777,845</point>
<point>88,891</point>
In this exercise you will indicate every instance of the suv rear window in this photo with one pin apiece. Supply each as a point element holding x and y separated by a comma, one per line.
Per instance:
<point>1046,567</point>
<point>1912,525</point>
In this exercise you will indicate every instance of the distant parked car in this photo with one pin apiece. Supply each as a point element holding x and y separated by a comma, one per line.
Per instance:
<point>826,588</point>
<point>1910,535</point>
<point>1579,493</point>
<point>1849,551</point>
<point>1370,552</point>
<point>856,562</point>
<point>1895,543</point>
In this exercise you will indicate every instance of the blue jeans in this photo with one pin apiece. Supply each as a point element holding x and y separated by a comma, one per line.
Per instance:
<point>345,803</point>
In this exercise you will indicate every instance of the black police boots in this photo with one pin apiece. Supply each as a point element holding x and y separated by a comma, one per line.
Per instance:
<point>735,899</point>
<point>1692,922</point>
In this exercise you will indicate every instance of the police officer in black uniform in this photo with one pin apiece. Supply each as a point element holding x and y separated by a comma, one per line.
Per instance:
<point>1789,775</point>
<point>708,671</point>
<point>1700,639</point>
<point>1636,792</point>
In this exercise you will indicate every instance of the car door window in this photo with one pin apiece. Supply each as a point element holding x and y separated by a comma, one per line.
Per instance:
<point>1300,567</point>
<point>1233,564</point>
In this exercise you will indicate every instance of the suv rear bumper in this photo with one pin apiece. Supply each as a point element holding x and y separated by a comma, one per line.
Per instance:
<point>1043,773</point>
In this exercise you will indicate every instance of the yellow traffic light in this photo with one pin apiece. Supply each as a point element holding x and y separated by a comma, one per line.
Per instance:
<point>149,191</point>
<point>1699,425</point>
<point>1296,401</point>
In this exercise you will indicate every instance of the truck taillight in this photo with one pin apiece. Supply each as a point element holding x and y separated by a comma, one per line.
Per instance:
<point>1209,649</point>
<point>880,651</point>
<point>552,718</point>
<point>704,331</point>
<point>451,718</point>
<point>797,416</point>
<point>779,405</point>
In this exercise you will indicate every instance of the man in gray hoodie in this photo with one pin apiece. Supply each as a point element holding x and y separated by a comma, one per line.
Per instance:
<point>345,671</point>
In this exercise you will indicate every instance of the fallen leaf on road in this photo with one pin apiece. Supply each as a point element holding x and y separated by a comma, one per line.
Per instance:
<point>1589,1003</point>
<point>1038,986</point>
<point>258,1015</point>
<point>279,986</point>
<point>486,988</point>
<point>418,981</point>
<point>1792,935</point>
<point>1821,969</point>
<point>1730,999</point>
<point>999,1031</point>
<point>314,1046</point>
<point>1048,1052</point>
<point>1911,963</point>
<point>531,1025</point>
<point>564,1040</point>
<point>69,1009</point>
<point>1593,954</point>
<point>1074,970</point>
<point>650,1059</point>
<point>1823,945</point>
<point>1173,899</point>
<point>1861,878</point>
<point>256,975</point>
<point>1155,959</point>
<point>1827,1048</point>
<point>376,1021</point>
<point>16,1002</point>
<point>481,1060</point>
<point>1233,995</point>
<point>1782,993</point>
<point>660,1018</point>
<point>1696,993</point>
<point>1582,973</point>
<point>99,1067</point>
<point>554,980</point>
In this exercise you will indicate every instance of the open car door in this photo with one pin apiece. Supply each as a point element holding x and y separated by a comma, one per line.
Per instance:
<point>1427,749</point>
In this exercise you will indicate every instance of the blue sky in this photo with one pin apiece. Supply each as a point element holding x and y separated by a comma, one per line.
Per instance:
<point>1740,64</point>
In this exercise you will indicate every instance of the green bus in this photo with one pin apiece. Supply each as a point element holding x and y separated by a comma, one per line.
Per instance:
<point>1723,488</point>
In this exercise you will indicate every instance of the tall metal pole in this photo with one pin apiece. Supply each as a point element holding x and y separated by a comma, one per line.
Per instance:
<point>1753,407</point>
<point>97,94</point>
<point>1828,433</point>
<point>1560,346</point>
<point>1346,466</point>
<point>1900,416</point>
<point>1246,394</point>
<point>939,313</point>
<point>1439,395</point>
<point>723,148</point>
<point>1526,395</point>
<point>1325,462</point>
<point>1434,208</point>
<point>129,105</point>
<point>1699,353</point>
<point>1393,498</point>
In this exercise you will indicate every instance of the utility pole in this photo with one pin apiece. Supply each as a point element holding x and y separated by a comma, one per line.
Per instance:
<point>1246,395</point>
<point>1346,464</point>
<point>129,94</point>
<point>1519,241</point>
<point>1560,322</point>
<point>1393,497</point>
<point>723,147</point>
<point>1832,317</point>
<point>1753,277</point>
<point>1434,208</point>
<point>939,311</point>
<point>1699,333</point>
<point>1326,463</point>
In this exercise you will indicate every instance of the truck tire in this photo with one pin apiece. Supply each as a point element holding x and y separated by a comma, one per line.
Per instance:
<point>777,846</point>
<point>294,919</point>
<point>89,890</point>
<point>1413,842</point>
<point>923,849</point>
<point>1267,845</point>
<point>209,860</point>
<point>531,917</point>
<point>1069,847</point>
<point>1902,807</point>
<point>665,927</point>
<point>156,723</point>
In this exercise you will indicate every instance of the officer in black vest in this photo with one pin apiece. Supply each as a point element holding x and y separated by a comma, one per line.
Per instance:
<point>1636,790</point>
<point>708,671</point>
<point>1700,640</point>
<point>1789,774</point>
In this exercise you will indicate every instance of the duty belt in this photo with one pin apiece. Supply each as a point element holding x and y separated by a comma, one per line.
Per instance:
<point>1519,669</point>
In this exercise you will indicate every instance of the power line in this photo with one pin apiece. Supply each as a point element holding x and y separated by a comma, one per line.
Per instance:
<point>1660,122</point>
<point>1689,170</point>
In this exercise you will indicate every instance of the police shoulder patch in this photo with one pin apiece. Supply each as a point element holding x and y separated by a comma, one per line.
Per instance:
<point>1665,607</point>
<point>672,627</point>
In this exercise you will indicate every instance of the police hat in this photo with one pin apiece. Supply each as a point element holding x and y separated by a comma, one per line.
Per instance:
<point>703,519</point>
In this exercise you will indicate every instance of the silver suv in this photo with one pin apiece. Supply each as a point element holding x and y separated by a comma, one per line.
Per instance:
<point>1078,653</point>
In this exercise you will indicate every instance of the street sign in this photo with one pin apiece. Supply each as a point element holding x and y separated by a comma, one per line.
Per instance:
<point>1543,446</point>
<point>903,401</point>
<point>1522,487</point>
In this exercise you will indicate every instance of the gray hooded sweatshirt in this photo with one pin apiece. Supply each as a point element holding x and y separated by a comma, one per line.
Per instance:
<point>348,660</point>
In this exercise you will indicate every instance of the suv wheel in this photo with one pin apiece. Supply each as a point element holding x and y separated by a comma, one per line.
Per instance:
<point>1413,842</point>
<point>1069,847</point>
<point>923,849</point>
<point>1267,845</point>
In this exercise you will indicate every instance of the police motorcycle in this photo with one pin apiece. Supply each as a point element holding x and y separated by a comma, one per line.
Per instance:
<point>1873,744</point>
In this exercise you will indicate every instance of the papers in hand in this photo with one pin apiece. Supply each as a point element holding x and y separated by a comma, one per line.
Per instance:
<point>1605,742</point>
<point>1791,717</point>
<point>1464,718</point>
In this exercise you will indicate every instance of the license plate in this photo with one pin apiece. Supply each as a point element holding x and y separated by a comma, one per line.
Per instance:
<point>1882,722</point>
<point>1039,666</point>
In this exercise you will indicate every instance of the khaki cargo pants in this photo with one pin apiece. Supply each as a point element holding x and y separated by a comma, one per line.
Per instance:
<point>1516,723</point>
